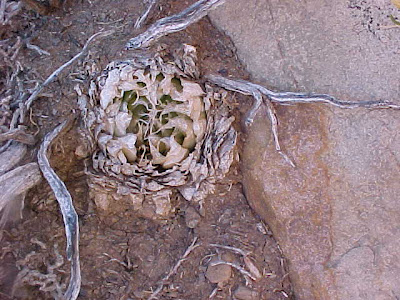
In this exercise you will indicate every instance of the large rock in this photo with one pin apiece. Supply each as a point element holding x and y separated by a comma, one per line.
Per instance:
<point>337,215</point>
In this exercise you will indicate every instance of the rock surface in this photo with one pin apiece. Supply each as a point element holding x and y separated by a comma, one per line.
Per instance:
<point>337,215</point>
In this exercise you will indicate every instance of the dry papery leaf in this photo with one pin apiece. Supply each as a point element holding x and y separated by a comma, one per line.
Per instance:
<point>157,131</point>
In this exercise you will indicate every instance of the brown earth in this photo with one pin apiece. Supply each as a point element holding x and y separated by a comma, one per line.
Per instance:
<point>125,256</point>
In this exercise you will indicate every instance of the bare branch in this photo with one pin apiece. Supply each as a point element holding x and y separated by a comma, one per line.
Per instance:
<point>67,209</point>
<point>37,49</point>
<point>173,23</point>
<point>143,17</point>
<point>234,249</point>
<point>57,72</point>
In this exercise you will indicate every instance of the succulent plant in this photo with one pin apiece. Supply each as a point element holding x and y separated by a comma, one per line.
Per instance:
<point>157,131</point>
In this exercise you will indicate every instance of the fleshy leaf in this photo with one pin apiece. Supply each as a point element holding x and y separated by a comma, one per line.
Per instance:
<point>176,153</point>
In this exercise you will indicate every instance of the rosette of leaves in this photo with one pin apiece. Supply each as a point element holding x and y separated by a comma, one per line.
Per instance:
<point>157,133</point>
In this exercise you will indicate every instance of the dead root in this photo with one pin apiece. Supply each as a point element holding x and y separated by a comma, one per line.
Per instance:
<point>263,95</point>
<point>246,267</point>
<point>11,157</point>
<point>233,265</point>
<point>173,23</point>
<point>143,17</point>
<point>57,72</point>
<point>67,209</point>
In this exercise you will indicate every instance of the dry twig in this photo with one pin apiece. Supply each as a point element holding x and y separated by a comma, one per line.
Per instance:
<point>192,246</point>
<point>57,72</point>
<point>37,49</point>
<point>19,113</point>
<point>67,209</point>
<point>234,249</point>
<point>173,23</point>
<point>143,17</point>
<point>213,293</point>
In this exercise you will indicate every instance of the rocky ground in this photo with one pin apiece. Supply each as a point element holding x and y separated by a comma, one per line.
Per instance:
<point>123,254</point>
<point>336,216</point>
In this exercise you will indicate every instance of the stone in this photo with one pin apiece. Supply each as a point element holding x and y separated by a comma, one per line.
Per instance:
<point>192,217</point>
<point>219,273</point>
<point>244,293</point>
<point>101,200</point>
<point>136,201</point>
<point>82,151</point>
<point>336,215</point>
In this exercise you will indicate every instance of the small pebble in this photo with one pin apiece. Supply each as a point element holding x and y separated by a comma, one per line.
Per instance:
<point>244,293</point>
<point>101,201</point>
<point>81,151</point>
<point>192,217</point>
<point>219,273</point>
